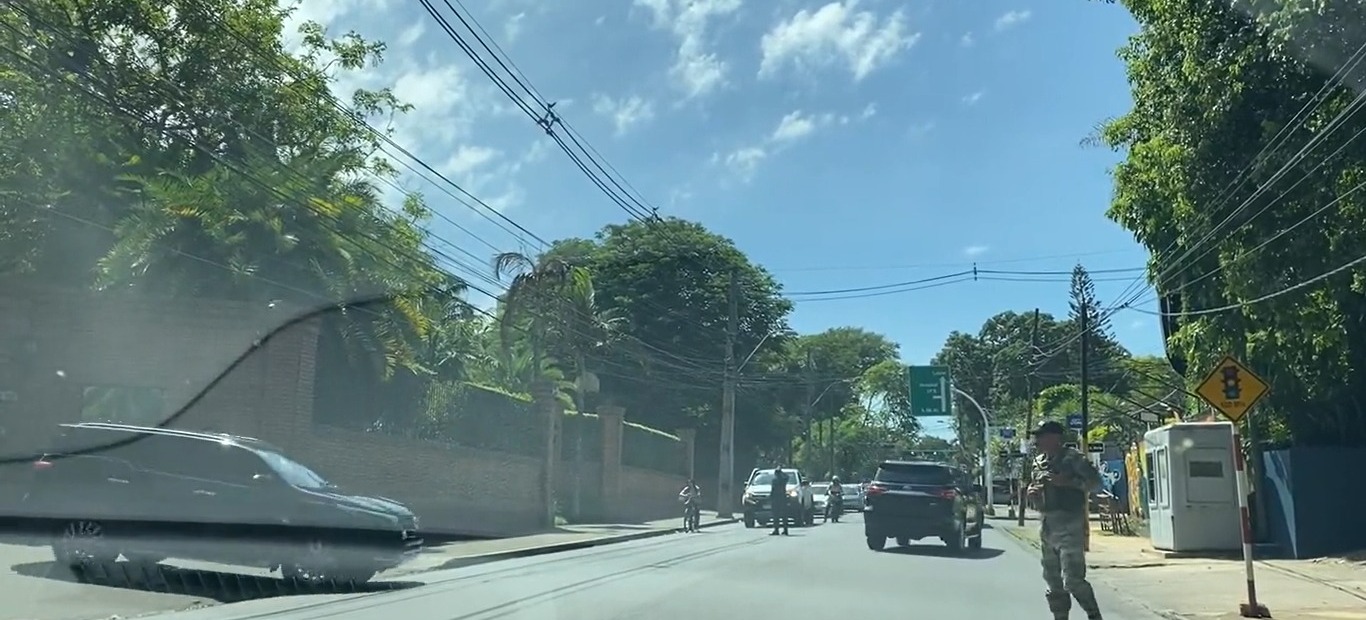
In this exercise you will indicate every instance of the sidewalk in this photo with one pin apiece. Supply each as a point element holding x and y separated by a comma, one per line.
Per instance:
<point>563,538</point>
<point>1212,588</point>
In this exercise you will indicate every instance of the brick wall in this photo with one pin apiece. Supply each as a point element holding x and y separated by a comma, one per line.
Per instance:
<point>55,343</point>
<point>652,494</point>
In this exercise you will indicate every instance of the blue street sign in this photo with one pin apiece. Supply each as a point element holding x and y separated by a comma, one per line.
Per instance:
<point>1007,433</point>
<point>1074,421</point>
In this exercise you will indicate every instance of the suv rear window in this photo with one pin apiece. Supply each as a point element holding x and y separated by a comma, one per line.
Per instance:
<point>914,474</point>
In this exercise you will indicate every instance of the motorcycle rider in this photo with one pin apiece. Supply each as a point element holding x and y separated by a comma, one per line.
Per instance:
<point>836,494</point>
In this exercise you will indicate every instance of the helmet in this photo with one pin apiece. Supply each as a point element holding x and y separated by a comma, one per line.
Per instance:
<point>836,479</point>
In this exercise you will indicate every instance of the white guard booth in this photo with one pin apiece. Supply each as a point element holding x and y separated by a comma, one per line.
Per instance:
<point>1192,492</point>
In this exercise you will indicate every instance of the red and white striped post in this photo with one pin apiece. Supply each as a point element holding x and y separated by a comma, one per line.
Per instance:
<point>1250,609</point>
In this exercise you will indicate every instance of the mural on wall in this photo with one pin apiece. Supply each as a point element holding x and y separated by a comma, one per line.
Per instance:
<point>1114,481</point>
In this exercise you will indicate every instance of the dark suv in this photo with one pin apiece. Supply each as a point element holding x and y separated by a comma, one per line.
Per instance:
<point>148,494</point>
<point>910,500</point>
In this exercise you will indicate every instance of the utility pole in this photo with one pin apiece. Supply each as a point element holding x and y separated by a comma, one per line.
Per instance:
<point>830,438</point>
<point>725,498</point>
<point>810,404</point>
<point>1026,472</point>
<point>1085,396</point>
<point>1085,375</point>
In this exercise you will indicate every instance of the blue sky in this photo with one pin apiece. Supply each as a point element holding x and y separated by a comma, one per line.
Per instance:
<point>841,144</point>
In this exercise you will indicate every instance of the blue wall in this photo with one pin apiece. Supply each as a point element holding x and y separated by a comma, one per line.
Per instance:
<point>1314,500</point>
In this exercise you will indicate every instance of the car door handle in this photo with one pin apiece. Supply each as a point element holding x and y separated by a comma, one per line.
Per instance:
<point>118,480</point>
<point>203,492</point>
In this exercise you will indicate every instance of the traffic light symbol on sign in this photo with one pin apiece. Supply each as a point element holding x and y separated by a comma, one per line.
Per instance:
<point>1231,388</point>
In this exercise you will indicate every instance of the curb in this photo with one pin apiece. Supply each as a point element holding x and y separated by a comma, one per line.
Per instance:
<point>1024,541</point>
<point>574,545</point>
<point>1030,543</point>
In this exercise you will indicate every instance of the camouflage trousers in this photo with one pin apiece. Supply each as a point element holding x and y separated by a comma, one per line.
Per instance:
<point>1063,539</point>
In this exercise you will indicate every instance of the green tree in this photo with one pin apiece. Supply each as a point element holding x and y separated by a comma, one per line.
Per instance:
<point>1104,353</point>
<point>1224,159</point>
<point>177,148</point>
<point>668,283</point>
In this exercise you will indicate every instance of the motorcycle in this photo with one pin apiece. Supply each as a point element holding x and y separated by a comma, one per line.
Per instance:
<point>834,507</point>
<point>692,516</point>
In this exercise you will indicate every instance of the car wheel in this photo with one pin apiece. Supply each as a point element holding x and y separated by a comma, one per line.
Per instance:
<point>83,545</point>
<point>975,543</point>
<point>877,543</point>
<point>955,540</point>
<point>749,521</point>
<point>318,565</point>
<point>902,541</point>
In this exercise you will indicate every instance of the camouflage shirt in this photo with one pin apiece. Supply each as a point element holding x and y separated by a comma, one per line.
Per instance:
<point>1076,468</point>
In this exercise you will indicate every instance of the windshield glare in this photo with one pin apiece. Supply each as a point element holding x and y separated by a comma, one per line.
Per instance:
<point>293,472</point>
<point>766,478</point>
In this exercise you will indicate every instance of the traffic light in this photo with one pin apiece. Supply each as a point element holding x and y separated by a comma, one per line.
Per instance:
<point>1231,389</point>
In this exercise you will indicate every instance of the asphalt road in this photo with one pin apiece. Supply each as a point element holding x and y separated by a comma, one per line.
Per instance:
<point>724,572</point>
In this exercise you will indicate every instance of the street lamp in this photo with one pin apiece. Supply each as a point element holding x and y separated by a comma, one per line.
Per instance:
<point>986,450</point>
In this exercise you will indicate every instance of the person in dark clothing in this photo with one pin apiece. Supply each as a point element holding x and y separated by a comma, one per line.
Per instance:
<point>777,494</point>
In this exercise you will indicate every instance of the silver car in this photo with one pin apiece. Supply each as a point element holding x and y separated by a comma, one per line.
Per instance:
<point>820,495</point>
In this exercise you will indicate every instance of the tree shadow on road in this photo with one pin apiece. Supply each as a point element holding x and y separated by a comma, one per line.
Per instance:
<point>940,551</point>
<point>218,586</point>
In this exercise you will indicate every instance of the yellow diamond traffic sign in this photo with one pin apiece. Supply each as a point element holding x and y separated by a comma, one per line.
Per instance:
<point>1232,388</point>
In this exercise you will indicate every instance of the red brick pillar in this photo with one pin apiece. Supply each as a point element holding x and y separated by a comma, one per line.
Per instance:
<point>544,402</point>
<point>612,419</point>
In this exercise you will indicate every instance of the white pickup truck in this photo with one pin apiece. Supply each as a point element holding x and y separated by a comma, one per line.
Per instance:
<point>758,507</point>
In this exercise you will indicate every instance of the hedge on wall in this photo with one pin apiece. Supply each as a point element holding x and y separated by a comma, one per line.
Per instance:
<point>648,448</point>
<point>488,418</point>
<point>485,417</point>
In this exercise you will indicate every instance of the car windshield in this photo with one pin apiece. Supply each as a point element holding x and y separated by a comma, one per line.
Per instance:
<point>913,474</point>
<point>293,472</point>
<point>820,488</point>
<point>765,478</point>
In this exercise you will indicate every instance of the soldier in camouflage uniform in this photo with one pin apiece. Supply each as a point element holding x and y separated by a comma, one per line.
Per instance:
<point>1062,482</point>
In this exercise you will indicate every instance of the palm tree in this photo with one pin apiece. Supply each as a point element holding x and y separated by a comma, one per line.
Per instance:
<point>534,299</point>
<point>564,318</point>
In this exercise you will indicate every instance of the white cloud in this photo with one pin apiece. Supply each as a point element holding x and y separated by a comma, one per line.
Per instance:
<point>513,27</point>
<point>744,161</point>
<point>792,128</point>
<point>967,40</point>
<point>448,105</point>
<point>624,113</point>
<point>1011,19</point>
<point>412,34</point>
<point>973,98</point>
<point>324,12</point>
<point>696,71</point>
<point>974,251</point>
<point>467,158</point>
<point>833,34</point>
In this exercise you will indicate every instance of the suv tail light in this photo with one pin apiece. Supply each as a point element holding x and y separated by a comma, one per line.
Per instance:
<point>874,490</point>
<point>948,493</point>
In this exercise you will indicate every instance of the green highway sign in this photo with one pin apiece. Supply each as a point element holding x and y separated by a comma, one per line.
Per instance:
<point>929,387</point>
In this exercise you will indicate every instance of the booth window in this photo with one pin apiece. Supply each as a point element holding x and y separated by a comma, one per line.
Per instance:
<point>1206,469</point>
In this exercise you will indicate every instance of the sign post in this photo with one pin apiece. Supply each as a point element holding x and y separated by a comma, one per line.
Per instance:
<point>1233,389</point>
